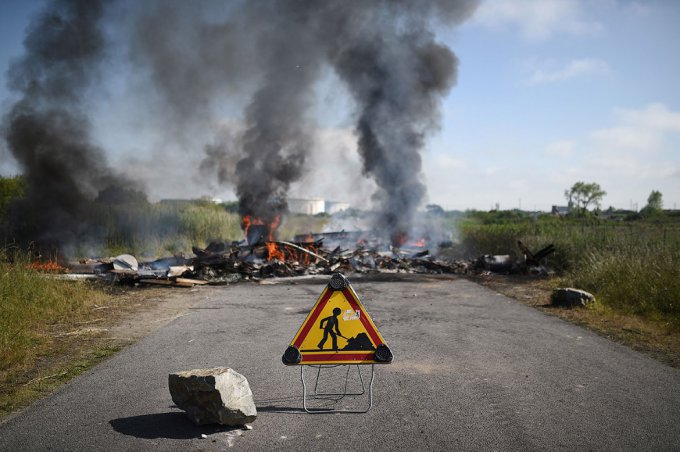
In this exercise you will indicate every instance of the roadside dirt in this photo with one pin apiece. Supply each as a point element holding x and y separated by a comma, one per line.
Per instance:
<point>149,309</point>
<point>648,336</point>
<point>129,314</point>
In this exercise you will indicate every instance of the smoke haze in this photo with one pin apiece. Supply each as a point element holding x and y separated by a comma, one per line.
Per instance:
<point>253,65</point>
<point>47,131</point>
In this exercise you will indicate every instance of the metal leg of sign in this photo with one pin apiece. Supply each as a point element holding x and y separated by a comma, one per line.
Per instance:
<point>326,395</point>
<point>336,396</point>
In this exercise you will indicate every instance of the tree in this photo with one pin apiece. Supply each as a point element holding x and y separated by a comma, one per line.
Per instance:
<point>582,195</point>
<point>434,209</point>
<point>654,204</point>
<point>655,200</point>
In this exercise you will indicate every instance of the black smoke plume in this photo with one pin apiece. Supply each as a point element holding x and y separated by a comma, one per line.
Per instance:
<point>256,60</point>
<point>383,50</point>
<point>47,130</point>
<point>397,73</point>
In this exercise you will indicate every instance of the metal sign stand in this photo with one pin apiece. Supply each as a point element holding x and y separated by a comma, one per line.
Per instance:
<point>336,396</point>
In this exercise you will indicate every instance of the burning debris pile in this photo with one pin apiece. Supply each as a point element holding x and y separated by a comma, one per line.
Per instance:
<point>258,258</point>
<point>222,263</point>
<point>287,259</point>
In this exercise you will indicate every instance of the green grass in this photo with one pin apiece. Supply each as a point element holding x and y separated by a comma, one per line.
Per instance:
<point>29,303</point>
<point>158,229</point>
<point>641,280</point>
<point>294,224</point>
<point>631,267</point>
<point>161,229</point>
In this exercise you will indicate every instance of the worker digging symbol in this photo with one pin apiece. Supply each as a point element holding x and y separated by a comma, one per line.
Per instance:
<point>331,322</point>
<point>338,304</point>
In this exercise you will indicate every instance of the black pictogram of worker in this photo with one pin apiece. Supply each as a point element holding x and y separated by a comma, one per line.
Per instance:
<point>331,326</point>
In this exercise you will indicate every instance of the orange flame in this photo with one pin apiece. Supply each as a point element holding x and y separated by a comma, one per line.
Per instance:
<point>274,225</point>
<point>49,267</point>
<point>273,251</point>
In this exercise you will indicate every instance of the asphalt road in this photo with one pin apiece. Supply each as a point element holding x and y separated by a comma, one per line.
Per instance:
<point>473,370</point>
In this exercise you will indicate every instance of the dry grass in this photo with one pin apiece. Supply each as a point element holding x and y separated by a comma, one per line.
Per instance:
<point>632,268</point>
<point>641,280</point>
<point>42,320</point>
<point>32,302</point>
<point>53,330</point>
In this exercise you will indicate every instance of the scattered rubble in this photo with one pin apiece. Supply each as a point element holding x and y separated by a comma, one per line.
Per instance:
<point>348,253</point>
<point>497,264</point>
<point>125,262</point>
<point>213,396</point>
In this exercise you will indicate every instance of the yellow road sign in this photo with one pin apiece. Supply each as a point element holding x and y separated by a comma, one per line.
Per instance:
<point>338,330</point>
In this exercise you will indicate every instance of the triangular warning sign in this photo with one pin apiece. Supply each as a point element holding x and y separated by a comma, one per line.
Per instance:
<point>338,330</point>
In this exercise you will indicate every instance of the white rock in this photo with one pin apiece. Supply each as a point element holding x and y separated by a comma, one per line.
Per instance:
<point>213,396</point>
<point>568,297</point>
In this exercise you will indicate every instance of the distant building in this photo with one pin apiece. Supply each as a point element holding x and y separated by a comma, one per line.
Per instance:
<point>212,199</point>
<point>310,206</point>
<point>335,207</point>
<point>313,206</point>
<point>560,210</point>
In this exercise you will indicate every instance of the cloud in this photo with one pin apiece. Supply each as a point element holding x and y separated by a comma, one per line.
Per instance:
<point>637,9</point>
<point>633,154</point>
<point>563,148</point>
<point>447,163</point>
<point>654,116</point>
<point>621,165</point>
<point>643,129</point>
<point>575,68</point>
<point>670,171</point>
<point>537,20</point>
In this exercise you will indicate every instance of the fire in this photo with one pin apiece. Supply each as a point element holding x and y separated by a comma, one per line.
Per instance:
<point>247,221</point>
<point>274,225</point>
<point>273,251</point>
<point>400,239</point>
<point>49,266</point>
<point>300,256</point>
<point>420,243</point>
<point>279,250</point>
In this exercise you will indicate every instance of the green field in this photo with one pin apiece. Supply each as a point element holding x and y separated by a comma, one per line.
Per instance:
<point>632,267</point>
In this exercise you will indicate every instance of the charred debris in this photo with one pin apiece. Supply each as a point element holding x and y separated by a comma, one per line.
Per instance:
<point>257,258</point>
